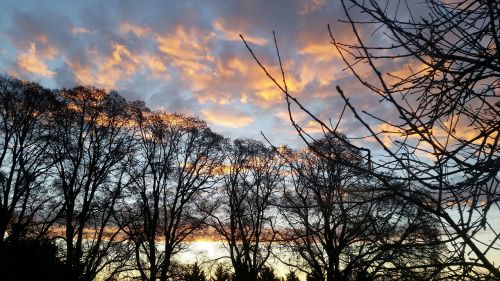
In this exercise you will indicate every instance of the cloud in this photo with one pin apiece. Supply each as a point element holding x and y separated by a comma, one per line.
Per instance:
<point>321,52</point>
<point>30,62</point>
<point>187,56</point>
<point>310,6</point>
<point>79,30</point>
<point>220,27</point>
<point>111,69</point>
<point>139,31</point>
<point>227,118</point>
<point>186,45</point>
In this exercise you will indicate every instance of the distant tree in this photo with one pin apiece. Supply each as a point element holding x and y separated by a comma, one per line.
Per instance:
<point>246,218</point>
<point>174,166</point>
<point>195,274</point>
<point>267,274</point>
<point>221,274</point>
<point>292,276</point>
<point>322,209</point>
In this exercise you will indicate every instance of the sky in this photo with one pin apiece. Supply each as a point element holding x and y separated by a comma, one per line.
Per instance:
<point>187,57</point>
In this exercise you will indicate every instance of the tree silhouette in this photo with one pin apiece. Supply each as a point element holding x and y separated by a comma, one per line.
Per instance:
<point>196,274</point>
<point>32,259</point>
<point>444,143</point>
<point>245,219</point>
<point>267,274</point>
<point>450,105</point>
<point>174,165</point>
<point>292,276</point>
<point>342,224</point>
<point>24,138</point>
<point>221,274</point>
<point>89,147</point>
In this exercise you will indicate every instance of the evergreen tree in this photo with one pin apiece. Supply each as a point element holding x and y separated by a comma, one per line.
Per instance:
<point>221,274</point>
<point>267,274</point>
<point>291,276</point>
<point>196,274</point>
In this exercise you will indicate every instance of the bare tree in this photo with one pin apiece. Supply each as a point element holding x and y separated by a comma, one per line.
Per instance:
<point>89,145</point>
<point>445,141</point>
<point>246,218</point>
<point>24,114</point>
<point>342,225</point>
<point>449,116</point>
<point>174,167</point>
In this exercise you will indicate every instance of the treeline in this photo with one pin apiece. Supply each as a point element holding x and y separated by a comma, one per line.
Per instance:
<point>95,186</point>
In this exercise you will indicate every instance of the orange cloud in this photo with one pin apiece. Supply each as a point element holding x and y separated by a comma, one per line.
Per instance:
<point>232,75</point>
<point>228,34</point>
<point>324,74</point>
<point>406,69</point>
<point>30,62</point>
<point>189,50</point>
<point>137,30</point>
<point>269,94</point>
<point>185,44</point>
<point>321,51</point>
<point>83,73</point>
<point>155,64</point>
<point>108,70</point>
<point>313,127</point>
<point>120,64</point>
<point>225,118</point>
<point>240,79</point>
<point>244,98</point>
<point>440,136</point>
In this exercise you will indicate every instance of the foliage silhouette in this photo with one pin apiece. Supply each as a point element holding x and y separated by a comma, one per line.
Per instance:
<point>195,274</point>
<point>29,259</point>
<point>221,274</point>
<point>267,274</point>
<point>292,276</point>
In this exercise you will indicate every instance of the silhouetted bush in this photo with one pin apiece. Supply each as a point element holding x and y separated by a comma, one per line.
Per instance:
<point>28,259</point>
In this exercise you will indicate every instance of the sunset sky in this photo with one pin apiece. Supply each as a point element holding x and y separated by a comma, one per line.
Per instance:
<point>186,56</point>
